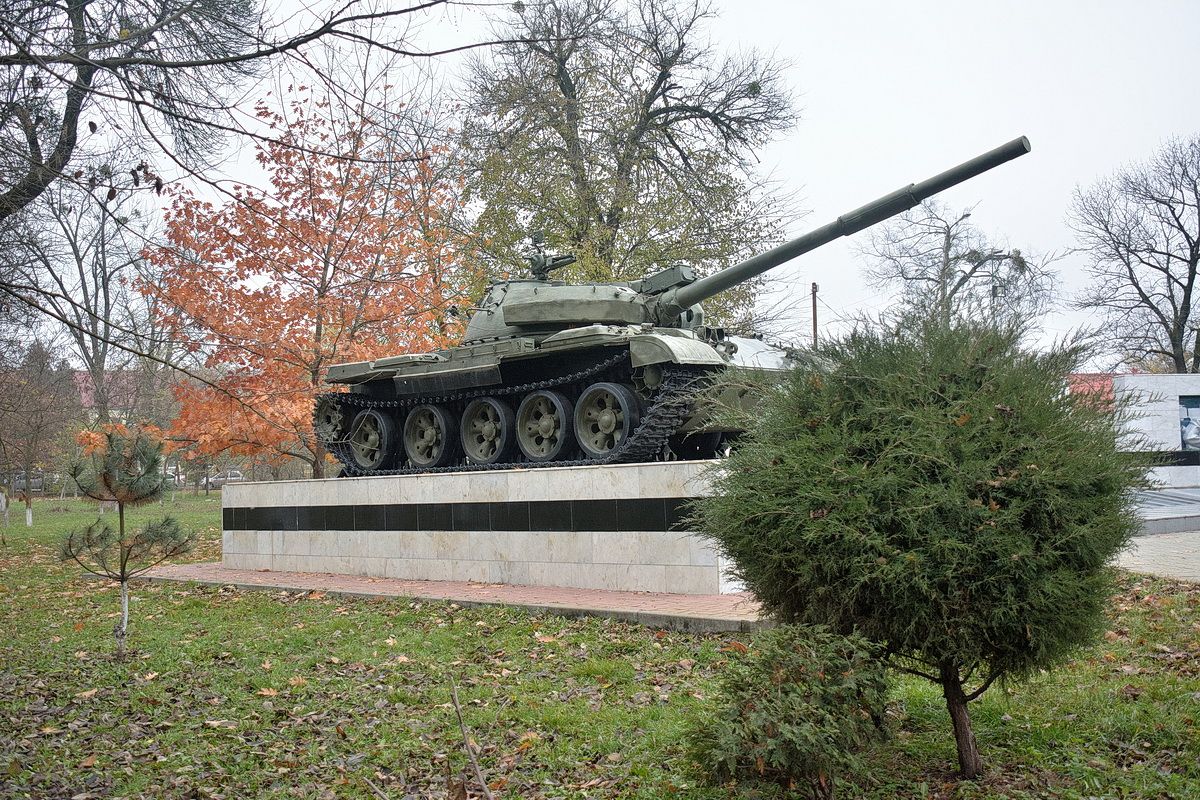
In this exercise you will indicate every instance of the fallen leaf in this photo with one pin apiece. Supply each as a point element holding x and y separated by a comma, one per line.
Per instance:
<point>267,691</point>
<point>88,762</point>
<point>266,665</point>
<point>734,646</point>
<point>227,724</point>
<point>87,694</point>
<point>962,420</point>
<point>296,680</point>
<point>149,676</point>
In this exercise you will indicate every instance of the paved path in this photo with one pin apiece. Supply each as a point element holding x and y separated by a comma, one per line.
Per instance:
<point>1171,555</point>
<point>720,612</point>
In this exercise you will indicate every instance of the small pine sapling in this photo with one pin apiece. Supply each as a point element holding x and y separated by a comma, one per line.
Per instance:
<point>797,708</point>
<point>125,469</point>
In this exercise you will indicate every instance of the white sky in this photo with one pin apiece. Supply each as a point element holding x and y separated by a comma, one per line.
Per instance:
<point>892,92</point>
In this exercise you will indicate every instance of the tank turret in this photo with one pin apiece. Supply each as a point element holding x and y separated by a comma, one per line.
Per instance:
<point>552,373</point>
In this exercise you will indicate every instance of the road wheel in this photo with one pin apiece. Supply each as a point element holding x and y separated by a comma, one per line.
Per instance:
<point>605,416</point>
<point>373,440</point>
<point>487,431</point>
<point>544,431</point>
<point>430,439</point>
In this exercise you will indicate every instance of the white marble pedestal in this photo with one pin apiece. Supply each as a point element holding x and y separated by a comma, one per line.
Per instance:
<point>611,527</point>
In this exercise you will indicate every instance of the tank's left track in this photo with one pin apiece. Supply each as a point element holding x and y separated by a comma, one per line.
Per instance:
<point>666,411</point>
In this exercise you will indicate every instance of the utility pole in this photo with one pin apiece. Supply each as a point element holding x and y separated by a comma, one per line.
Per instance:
<point>814,304</point>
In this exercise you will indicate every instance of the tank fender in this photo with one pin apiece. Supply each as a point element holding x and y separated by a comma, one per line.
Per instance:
<point>659,348</point>
<point>589,336</point>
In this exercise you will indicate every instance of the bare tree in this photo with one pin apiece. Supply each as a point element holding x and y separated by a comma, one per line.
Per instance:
<point>85,261</point>
<point>93,69</point>
<point>1141,228</point>
<point>41,402</point>
<point>158,71</point>
<point>625,135</point>
<point>947,268</point>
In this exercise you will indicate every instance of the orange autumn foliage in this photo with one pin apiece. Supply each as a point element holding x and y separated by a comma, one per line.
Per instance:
<point>343,259</point>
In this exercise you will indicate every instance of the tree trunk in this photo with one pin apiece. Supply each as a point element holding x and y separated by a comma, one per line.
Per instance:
<point>969,761</point>
<point>122,627</point>
<point>318,462</point>
<point>821,787</point>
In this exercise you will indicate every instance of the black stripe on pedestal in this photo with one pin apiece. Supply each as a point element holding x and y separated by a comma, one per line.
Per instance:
<point>641,514</point>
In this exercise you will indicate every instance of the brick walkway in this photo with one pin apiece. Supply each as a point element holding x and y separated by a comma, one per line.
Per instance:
<point>1174,555</point>
<point>722,612</point>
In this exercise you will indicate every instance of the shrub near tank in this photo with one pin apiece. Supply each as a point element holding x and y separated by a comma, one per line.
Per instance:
<point>938,491</point>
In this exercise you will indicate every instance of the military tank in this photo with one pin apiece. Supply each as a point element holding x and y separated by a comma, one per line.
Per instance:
<point>551,373</point>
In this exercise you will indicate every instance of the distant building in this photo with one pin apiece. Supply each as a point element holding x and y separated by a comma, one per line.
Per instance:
<point>122,388</point>
<point>1168,420</point>
<point>1095,384</point>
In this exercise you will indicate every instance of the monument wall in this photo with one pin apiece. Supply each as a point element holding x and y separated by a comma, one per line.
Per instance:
<point>600,527</point>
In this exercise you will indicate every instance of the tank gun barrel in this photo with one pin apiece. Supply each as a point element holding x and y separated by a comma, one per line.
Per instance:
<point>673,303</point>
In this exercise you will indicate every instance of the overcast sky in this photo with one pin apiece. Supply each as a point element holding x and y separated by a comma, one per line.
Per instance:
<point>892,92</point>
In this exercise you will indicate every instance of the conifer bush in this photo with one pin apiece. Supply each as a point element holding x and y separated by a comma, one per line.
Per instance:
<point>796,709</point>
<point>937,490</point>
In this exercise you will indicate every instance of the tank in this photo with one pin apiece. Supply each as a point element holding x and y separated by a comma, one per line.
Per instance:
<point>551,373</point>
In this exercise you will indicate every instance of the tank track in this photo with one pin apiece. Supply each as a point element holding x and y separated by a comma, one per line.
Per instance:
<point>669,408</point>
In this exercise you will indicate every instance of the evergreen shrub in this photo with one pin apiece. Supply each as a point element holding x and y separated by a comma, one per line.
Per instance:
<point>937,490</point>
<point>796,709</point>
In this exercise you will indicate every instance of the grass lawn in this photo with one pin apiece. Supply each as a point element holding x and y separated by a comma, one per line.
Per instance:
<point>231,694</point>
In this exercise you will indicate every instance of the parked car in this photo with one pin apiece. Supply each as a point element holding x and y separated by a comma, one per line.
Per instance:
<point>35,483</point>
<point>222,478</point>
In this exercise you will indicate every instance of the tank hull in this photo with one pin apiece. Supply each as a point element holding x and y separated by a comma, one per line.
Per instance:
<point>659,374</point>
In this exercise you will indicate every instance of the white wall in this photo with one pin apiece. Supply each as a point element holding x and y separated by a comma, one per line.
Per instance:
<point>1156,398</point>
